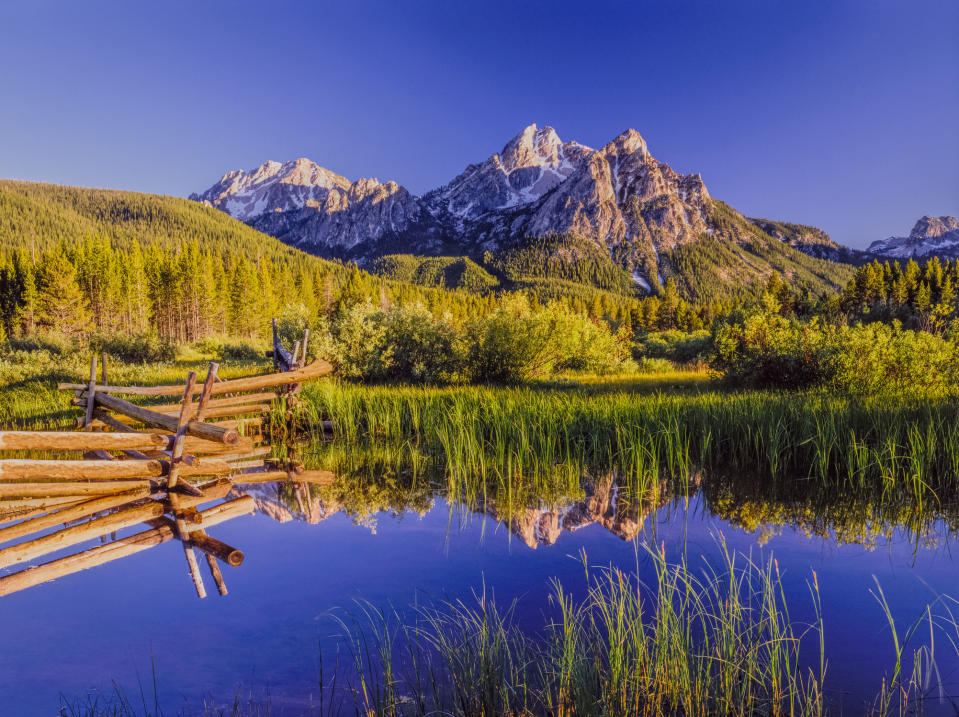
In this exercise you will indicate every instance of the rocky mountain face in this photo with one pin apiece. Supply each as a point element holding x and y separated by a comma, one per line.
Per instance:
<point>620,197</point>
<point>931,236</point>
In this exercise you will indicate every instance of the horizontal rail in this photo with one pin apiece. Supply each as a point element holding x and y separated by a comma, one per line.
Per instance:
<point>71,488</point>
<point>50,470</point>
<point>316,369</point>
<point>78,441</point>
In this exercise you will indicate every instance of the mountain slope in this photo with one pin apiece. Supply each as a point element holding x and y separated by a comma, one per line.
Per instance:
<point>931,236</point>
<point>47,214</point>
<point>650,220</point>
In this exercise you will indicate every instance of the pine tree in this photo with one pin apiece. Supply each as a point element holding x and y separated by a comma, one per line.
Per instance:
<point>60,304</point>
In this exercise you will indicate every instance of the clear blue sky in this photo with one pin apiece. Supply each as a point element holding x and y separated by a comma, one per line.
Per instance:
<point>844,115</point>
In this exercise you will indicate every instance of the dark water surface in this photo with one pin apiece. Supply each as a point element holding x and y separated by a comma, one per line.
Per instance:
<point>116,622</point>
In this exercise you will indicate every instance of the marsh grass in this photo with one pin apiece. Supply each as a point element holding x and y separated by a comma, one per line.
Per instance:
<point>687,642</point>
<point>892,444</point>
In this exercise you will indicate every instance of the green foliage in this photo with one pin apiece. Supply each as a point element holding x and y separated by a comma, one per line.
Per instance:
<point>442,271</point>
<point>137,348</point>
<point>394,344</point>
<point>677,346</point>
<point>766,349</point>
<point>514,342</point>
<point>562,257</point>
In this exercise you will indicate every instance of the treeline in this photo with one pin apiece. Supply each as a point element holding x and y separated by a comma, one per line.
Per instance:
<point>184,292</point>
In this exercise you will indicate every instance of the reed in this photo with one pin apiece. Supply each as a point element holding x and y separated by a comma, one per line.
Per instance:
<point>905,445</point>
<point>688,642</point>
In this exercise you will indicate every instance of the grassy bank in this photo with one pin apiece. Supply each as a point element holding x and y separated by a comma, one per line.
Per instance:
<point>895,445</point>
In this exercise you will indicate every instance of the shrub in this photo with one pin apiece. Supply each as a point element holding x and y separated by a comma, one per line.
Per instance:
<point>242,350</point>
<point>516,343</point>
<point>654,365</point>
<point>766,349</point>
<point>50,341</point>
<point>138,348</point>
<point>394,344</point>
<point>677,346</point>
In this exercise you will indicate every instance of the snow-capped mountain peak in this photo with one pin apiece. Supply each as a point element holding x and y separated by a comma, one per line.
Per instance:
<point>930,236</point>
<point>272,187</point>
<point>530,165</point>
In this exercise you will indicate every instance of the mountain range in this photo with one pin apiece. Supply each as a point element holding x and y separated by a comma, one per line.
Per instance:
<point>649,221</point>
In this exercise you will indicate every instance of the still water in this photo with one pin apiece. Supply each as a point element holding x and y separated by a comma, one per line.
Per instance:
<point>308,556</point>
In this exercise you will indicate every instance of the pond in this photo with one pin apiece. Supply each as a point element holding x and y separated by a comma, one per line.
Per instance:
<point>400,537</point>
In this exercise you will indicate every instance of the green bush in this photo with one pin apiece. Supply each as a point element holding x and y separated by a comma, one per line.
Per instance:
<point>516,343</point>
<point>654,365</point>
<point>50,341</point>
<point>138,348</point>
<point>512,344</point>
<point>242,350</point>
<point>766,349</point>
<point>677,346</point>
<point>395,344</point>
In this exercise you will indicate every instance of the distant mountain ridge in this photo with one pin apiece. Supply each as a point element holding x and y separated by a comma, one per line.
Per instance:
<point>652,221</point>
<point>931,236</point>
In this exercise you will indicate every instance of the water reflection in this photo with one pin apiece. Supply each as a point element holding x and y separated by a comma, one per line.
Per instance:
<point>536,511</point>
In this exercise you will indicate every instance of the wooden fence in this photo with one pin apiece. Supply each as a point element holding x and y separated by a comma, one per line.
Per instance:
<point>154,465</point>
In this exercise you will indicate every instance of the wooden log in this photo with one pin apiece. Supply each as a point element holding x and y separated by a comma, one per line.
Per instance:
<point>71,488</point>
<point>259,452</point>
<point>159,532</point>
<point>198,446</point>
<point>216,491</point>
<point>281,357</point>
<point>227,511</point>
<point>235,410</point>
<point>177,457</point>
<point>262,397</point>
<point>239,410</point>
<point>85,560</point>
<point>102,419</point>
<point>77,441</point>
<point>26,508</point>
<point>216,574</point>
<point>316,369</point>
<point>103,368</point>
<point>177,451</point>
<point>89,530</point>
<point>306,340</point>
<point>73,512</point>
<point>25,469</point>
<point>203,403</point>
<point>162,420</point>
<point>309,476</point>
<point>217,548</point>
<point>247,465</point>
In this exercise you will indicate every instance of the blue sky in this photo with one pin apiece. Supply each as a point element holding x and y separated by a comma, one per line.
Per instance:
<point>844,115</point>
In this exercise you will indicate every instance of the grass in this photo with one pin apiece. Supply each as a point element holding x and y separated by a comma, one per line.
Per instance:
<point>690,643</point>
<point>891,445</point>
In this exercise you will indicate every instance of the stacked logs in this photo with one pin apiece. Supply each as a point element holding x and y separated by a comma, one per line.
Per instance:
<point>150,464</point>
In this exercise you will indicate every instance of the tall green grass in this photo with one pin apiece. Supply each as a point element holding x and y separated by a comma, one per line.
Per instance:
<point>894,445</point>
<point>719,641</point>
